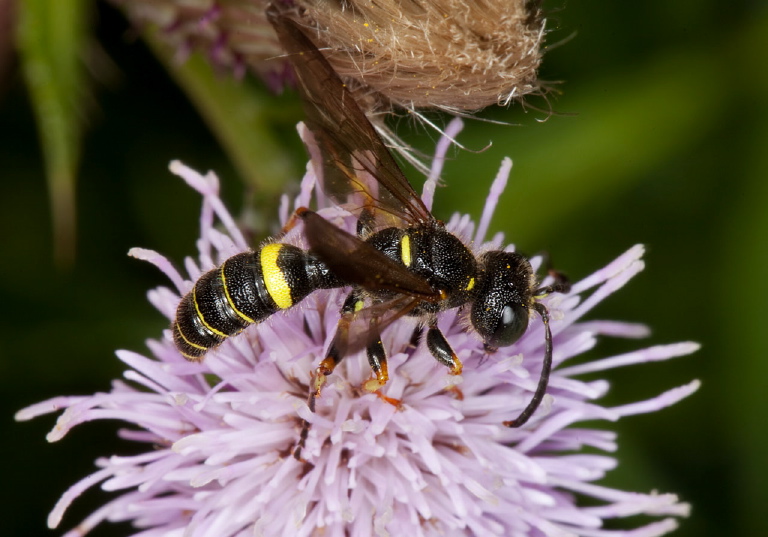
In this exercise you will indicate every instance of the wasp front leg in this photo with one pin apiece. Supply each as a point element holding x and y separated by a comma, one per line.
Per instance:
<point>561,284</point>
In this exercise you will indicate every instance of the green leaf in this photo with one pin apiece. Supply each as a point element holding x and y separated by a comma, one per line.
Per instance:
<point>50,39</point>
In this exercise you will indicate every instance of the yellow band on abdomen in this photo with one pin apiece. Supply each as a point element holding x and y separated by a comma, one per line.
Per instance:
<point>274,279</point>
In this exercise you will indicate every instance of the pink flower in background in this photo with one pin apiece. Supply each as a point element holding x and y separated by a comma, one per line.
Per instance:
<point>219,434</point>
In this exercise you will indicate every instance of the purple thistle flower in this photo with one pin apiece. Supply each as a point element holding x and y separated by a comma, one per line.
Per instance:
<point>219,434</point>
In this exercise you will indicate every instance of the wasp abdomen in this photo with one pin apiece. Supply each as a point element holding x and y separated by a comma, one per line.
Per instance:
<point>247,288</point>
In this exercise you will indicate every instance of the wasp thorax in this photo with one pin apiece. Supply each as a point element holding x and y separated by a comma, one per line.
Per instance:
<point>453,267</point>
<point>503,299</point>
<point>445,262</point>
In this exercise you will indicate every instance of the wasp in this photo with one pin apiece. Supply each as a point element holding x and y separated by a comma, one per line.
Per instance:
<point>401,262</point>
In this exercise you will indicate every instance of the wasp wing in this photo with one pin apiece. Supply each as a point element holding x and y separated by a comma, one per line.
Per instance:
<point>358,170</point>
<point>367,324</point>
<point>358,263</point>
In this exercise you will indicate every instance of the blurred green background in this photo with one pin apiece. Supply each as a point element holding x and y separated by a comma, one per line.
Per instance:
<point>661,137</point>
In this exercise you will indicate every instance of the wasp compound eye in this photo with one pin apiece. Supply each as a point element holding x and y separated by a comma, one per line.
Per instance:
<point>499,324</point>
<point>512,324</point>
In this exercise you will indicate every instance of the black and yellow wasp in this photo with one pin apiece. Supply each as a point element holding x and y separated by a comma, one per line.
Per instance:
<point>401,262</point>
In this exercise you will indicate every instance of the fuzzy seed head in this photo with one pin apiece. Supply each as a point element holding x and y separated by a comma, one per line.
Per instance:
<point>451,55</point>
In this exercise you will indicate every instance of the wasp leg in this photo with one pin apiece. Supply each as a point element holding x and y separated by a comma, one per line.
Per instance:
<point>441,350</point>
<point>317,381</point>
<point>377,359</point>
<point>416,336</point>
<point>561,284</point>
<point>332,358</point>
<point>365,223</point>
<point>297,215</point>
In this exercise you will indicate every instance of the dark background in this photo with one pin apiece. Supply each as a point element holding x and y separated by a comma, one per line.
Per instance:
<point>661,137</point>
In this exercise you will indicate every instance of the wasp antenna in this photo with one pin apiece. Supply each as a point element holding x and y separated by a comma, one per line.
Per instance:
<point>541,389</point>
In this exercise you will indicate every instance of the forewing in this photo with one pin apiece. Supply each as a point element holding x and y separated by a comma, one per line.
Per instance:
<point>358,170</point>
<point>358,263</point>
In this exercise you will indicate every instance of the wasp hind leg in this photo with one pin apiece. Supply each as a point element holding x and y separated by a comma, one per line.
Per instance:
<point>335,354</point>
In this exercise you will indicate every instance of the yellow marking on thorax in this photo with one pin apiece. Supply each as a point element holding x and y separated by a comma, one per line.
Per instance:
<point>229,298</point>
<point>405,250</point>
<point>470,285</point>
<point>200,315</point>
<point>359,305</point>
<point>274,279</point>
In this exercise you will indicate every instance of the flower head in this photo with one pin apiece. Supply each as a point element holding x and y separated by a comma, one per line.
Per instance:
<point>219,434</point>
